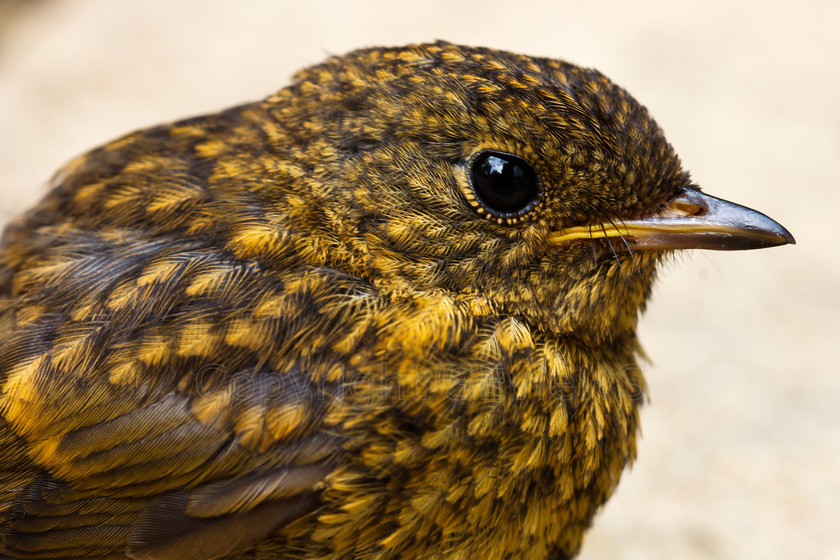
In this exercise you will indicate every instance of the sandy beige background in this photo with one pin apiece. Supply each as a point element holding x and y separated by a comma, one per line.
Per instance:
<point>740,451</point>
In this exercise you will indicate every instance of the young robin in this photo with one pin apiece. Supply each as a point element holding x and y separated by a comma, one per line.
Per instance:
<point>387,312</point>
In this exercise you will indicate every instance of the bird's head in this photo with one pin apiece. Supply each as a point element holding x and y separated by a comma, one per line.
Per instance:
<point>538,184</point>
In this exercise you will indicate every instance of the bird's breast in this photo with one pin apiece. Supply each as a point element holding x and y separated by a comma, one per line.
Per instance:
<point>505,451</point>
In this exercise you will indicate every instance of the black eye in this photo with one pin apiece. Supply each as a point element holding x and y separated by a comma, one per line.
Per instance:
<point>504,184</point>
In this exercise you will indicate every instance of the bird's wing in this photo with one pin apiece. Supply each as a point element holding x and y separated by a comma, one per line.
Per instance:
<point>116,438</point>
<point>153,480</point>
<point>133,275</point>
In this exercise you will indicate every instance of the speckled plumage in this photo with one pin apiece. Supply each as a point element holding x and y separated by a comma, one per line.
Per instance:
<point>287,330</point>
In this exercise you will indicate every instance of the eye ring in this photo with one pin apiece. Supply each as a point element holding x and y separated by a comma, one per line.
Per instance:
<point>504,186</point>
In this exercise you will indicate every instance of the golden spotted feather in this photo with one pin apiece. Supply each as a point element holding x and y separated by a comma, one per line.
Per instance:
<point>291,330</point>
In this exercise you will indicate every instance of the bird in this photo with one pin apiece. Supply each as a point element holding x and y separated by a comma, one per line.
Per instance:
<point>388,311</point>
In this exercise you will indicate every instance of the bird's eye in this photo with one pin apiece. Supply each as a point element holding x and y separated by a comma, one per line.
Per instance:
<point>505,185</point>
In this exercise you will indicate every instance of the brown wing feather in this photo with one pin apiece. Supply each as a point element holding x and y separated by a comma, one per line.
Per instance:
<point>170,487</point>
<point>166,532</point>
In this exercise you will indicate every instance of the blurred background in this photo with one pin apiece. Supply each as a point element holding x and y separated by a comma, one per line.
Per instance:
<point>741,444</point>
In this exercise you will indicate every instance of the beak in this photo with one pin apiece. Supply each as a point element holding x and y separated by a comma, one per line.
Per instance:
<point>692,220</point>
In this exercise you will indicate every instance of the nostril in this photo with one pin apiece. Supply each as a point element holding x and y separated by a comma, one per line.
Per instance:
<point>688,208</point>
